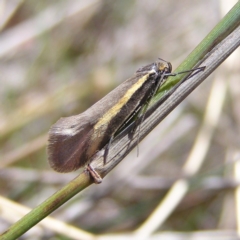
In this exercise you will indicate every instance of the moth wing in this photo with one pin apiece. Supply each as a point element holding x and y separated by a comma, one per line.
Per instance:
<point>146,68</point>
<point>68,142</point>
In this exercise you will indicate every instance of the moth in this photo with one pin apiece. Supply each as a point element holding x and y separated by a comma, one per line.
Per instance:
<point>74,140</point>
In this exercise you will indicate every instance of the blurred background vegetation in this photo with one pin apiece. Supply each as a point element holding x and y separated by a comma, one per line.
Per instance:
<point>57,58</point>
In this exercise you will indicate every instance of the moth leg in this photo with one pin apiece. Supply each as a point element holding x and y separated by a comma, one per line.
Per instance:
<point>107,150</point>
<point>137,122</point>
<point>121,129</point>
<point>94,174</point>
<point>140,118</point>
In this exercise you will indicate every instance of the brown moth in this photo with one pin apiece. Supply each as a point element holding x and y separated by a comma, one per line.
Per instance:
<point>74,140</point>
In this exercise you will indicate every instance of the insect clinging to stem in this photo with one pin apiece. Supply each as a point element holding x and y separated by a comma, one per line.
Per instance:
<point>74,140</point>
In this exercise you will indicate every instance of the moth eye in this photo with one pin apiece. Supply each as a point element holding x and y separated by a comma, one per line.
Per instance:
<point>169,67</point>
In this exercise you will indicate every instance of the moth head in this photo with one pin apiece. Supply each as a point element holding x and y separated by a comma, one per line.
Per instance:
<point>163,66</point>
